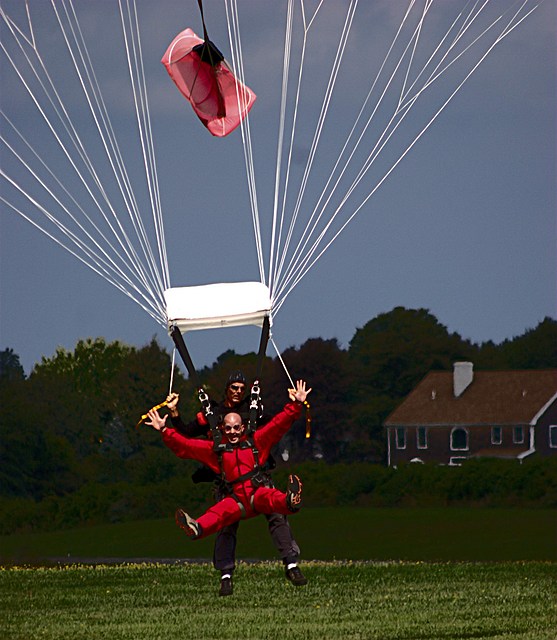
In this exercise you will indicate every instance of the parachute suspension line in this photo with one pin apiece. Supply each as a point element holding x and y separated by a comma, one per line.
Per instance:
<point>302,244</point>
<point>415,38</point>
<point>508,28</point>
<point>171,384</point>
<point>31,30</point>
<point>154,314</point>
<point>280,141</point>
<point>401,112</point>
<point>313,220</point>
<point>77,241</point>
<point>282,361</point>
<point>114,155</point>
<point>276,241</point>
<point>108,269</point>
<point>233,24</point>
<point>299,258</point>
<point>25,164</point>
<point>33,97</point>
<point>306,403</point>
<point>139,87</point>
<point>130,263</point>
<point>100,115</point>
<point>68,126</point>
<point>319,128</point>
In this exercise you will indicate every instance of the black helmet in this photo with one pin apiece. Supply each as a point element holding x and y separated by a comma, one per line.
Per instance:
<point>236,376</point>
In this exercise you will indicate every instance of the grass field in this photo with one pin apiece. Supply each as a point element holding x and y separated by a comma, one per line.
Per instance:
<point>450,534</point>
<point>404,574</point>
<point>514,601</point>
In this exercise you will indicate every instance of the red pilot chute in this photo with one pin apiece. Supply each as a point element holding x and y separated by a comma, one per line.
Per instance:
<point>202,75</point>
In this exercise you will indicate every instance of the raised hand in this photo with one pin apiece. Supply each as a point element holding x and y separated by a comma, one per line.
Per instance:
<point>172,403</point>
<point>300,393</point>
<point>155,420</point>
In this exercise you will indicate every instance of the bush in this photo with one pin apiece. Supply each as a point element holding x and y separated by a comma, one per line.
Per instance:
<point>487,483</point>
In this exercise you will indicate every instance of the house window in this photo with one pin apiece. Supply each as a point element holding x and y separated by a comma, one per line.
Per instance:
<point>496,435</point>
<point>421,437</point>
<point>400,435</point>
<point>518,435</point>
<point>456,461</point>
<point>553,436</point>
<point>459,439</point>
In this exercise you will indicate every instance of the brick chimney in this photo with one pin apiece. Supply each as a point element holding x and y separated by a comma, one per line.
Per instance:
<point>463,374</point>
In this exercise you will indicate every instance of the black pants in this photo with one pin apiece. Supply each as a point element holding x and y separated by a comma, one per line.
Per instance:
<point>224,556</point>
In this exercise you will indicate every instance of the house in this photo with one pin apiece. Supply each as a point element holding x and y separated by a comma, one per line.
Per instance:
<point>453,416</point>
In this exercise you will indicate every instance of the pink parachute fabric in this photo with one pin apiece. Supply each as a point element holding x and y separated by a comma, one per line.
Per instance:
<point>204,78</point>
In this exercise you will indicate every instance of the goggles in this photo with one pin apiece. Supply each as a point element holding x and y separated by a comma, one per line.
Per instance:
<point>232,428</point>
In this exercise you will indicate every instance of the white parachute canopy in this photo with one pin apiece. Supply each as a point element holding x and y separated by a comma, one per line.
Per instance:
<point>213,306</point>
<point>112,220</point>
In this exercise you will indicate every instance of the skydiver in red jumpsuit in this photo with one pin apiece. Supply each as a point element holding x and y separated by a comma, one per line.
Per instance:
<point>237,463</point>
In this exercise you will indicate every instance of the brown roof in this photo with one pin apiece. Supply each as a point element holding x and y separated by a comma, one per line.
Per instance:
<point>493,397</point>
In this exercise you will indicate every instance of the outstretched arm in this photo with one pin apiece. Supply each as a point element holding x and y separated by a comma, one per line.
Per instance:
<point>273,431</point>
<point>201,450</point>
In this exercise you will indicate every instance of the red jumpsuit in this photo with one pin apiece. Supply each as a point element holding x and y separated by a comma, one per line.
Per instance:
<point>236,463</point>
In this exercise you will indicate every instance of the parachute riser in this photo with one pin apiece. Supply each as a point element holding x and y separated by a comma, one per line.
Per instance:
<point>255,395</point>
<point>178,339</point>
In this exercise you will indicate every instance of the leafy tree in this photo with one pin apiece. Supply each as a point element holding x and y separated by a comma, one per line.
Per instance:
<point>34,462</point>
<point>323,365</point>
<point>92,366</point>
<point>10,367</point>
<point>535,349</point>
<point>392,352</point>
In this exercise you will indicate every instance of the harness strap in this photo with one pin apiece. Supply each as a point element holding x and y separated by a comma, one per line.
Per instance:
<point>254,404</point>
<point>229,484</point>
<point>242,508</point>
<point>245,476</point>
<point>255,396</point>
<point>211,417</point>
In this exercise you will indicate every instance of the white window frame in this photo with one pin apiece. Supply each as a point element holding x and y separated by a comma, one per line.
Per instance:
<point>456,461</point>
<point>467,447</point>
<point>397,444</point>
<point>426,433</point>
<point>552,428</point>
<point>493,440</point>
<point>515,439</point>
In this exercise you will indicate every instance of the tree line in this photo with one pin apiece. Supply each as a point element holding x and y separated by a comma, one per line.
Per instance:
<point>68,431</point>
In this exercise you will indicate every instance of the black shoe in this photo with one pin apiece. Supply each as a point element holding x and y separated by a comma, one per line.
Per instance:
<point>226,587</point>
<point>294,493</point>
<point>187,524</point>
<point>296,577</point>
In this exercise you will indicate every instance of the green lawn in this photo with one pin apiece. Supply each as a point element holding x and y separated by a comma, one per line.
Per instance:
<point>354,601</point>
<point>450,534</point>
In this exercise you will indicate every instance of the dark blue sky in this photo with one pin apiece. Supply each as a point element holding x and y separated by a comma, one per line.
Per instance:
<point>465,226</point>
